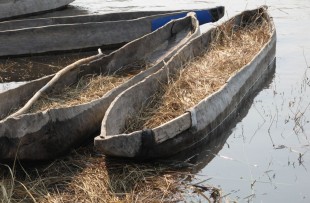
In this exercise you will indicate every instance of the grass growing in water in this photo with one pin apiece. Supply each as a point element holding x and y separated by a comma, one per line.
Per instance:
<point>84,176</point>
<point>231,49</point>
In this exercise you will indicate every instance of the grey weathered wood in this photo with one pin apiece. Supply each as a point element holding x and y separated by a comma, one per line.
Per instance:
<point>194,125</point>
<point>15,8</point>
<point>36,36</point>
<point>39,22</point>
<point>52,82</point>
<point>50,133</point>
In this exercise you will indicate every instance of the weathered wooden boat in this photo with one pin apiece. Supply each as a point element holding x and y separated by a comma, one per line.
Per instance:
<point>201,119</point>
<point>13,8</point>
<point>49,133</point>
<point>203,16</point>
<point>200,154</point>
<point>35,36</point>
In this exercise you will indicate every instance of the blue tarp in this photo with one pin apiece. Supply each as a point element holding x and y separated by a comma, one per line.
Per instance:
<point>203,17</point>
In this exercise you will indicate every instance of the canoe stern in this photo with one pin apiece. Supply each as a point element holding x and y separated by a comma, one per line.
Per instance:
<point>120,145</point>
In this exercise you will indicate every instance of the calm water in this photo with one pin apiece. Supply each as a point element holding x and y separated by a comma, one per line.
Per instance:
<point>266,155</point>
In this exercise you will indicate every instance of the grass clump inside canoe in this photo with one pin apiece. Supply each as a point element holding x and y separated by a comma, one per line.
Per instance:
<point>231,48</point>
<point>88,88</point>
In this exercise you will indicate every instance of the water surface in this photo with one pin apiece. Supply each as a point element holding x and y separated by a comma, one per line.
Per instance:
<point>265,156</point>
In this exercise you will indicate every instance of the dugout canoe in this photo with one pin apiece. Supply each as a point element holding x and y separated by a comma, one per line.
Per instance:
<point>77,33</point>
<point>198,122</point>
<point>202,15</point>
<point>51,133</point>
<point>16,8</point>
<point>201,154</point>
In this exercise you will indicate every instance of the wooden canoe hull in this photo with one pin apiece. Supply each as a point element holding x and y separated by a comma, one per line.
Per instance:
<point>13,8</point>
<point>78,19</point>
<point>51,133</point>
<point>211,142</point>
<point>194,125</point>
<point>68,34</point>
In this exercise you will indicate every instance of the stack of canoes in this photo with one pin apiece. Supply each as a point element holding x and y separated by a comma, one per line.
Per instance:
<point>48,133</point>
<point>138,71</point>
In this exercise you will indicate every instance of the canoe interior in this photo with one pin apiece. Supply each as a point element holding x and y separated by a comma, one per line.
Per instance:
<point>27,68</point>
<point>183,131</point>
<point>156,51</point>
<point>46,135</point>
<point>201,153</point>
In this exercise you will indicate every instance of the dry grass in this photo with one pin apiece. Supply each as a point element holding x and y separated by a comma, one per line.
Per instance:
<point>84,176</point>
<point>231,49</point>
<point>34,67</point>
<point>88,88</point>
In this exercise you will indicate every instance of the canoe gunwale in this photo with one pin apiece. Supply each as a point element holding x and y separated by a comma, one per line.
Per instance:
<point>58,19</point>
<point>59,38</point>
<point>88,23</point>
<point>41,134</point>
<point>92,18</point>
<point>97,60</point>
<point>199,116</point>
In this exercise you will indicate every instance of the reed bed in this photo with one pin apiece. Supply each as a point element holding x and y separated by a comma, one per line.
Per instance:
<point>84,176</point>
<point>88,88</point>
<point>232,48</point>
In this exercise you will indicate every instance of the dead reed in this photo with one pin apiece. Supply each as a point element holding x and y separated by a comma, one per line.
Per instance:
<point>232,48</point>
<point>88,88</point>
<point>84,176</point>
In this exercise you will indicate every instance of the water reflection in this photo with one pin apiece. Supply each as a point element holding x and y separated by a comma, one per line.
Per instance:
<point>267,151</point>
<point>70,10</point>
<point>264,157</point>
